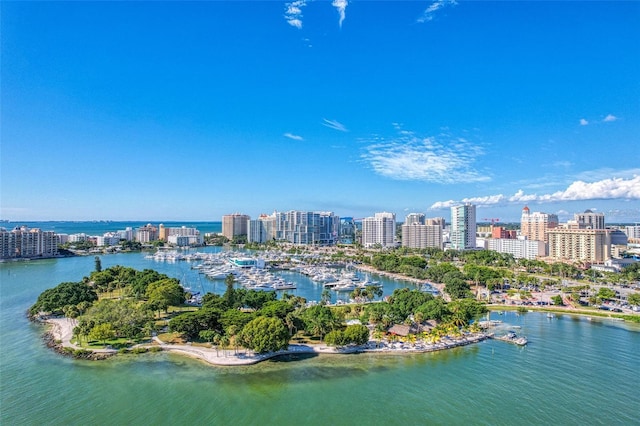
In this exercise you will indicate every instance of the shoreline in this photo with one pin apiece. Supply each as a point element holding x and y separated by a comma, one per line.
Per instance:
<point>61,332</point>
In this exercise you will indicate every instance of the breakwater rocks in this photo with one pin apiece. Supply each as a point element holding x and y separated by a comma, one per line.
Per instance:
<point>56,345</point>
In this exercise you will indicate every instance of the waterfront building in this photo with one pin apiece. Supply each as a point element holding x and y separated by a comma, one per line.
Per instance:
<point>520,248</point>
<point>235,225</point>
<point>419,236</point>
<point>262,229</point>
<point>165,234</point>
<point>78,238</point>
<point>633,232</point>
<point>108,239</point>
<point>126,234</point>
<point>463,227</point>
<point>583,245</point>
<point>536,225</point>
<point>25,242</point>
<point>185,240</point>
<point>379,229</point>
<point>302,227</point>
<point>147,233</point>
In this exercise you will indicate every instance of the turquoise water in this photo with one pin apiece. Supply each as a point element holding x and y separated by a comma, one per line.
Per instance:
<point>574,372</point>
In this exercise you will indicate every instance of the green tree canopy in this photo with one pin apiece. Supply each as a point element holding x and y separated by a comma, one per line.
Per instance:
<point>68,293</point>
<point>265,334</point>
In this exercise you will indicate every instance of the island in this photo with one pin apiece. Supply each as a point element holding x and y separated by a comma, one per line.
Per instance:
<point>122,310</point>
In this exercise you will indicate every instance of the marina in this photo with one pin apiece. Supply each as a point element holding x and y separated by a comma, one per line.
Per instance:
<point>593,361</point>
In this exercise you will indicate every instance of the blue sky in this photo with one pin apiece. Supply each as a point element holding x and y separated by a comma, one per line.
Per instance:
<point>188,111</point>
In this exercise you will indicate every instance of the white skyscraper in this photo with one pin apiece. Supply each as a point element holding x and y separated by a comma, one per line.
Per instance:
<point>463,227</point>
<point>380,229</point>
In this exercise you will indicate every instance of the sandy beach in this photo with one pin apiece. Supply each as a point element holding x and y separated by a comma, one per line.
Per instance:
<point>62,331</point>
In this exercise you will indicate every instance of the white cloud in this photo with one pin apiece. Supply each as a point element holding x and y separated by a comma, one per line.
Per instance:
<point>583,122</point>
<point>433,8</point>
<point>429,159</point>
<point>294,137</point>
<point>335,125</point>
<point>341,5</point>
<point>610,118</point>
<point>293,13</point>
<point>606,189</point>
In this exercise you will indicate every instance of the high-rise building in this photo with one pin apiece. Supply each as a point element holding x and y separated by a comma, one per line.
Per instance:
<point>463,227</point>
<point>300,227</point>
<point>535,225</point>
<point>25,242</point>
<point>262,229</point>
<point>520,248</point>
<point>379,229</point>
<point>587,220</point>
<point>415,235</point>
<point>234,225</point>
<point>586,245</point>
<point>414,218</point>
<point>147,233</point>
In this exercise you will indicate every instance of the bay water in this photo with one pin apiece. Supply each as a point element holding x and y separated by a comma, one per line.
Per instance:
<point>574,371</point>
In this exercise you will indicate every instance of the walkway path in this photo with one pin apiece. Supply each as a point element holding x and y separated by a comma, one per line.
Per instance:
<point>62,330</point>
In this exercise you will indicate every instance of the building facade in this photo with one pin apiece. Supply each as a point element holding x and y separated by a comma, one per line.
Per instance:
<point>419,236</point>
<point>25,242</point>
<point>589,220</point>
<point>147,234</point>
<point>379,229</point>
<point>463,227</point>
<point>520,248</point>
<point>302,227</point>
<point>261,230</point>
<point>536,225</point>
<point>235,225</point>
<point>579,245</point>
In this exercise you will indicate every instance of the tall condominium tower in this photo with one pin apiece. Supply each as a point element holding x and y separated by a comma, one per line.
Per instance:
<point>234,225</point>
<point>414,218</point>
<point>301,227</point>
<point>379,229</point>
<point>415,235</point>
<point>589,220</point>
<point>535,226</point>
<point>262,229</point>
<point>463,227</point>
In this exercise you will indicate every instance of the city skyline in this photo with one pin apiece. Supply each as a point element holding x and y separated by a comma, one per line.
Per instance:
<point>172,111</point>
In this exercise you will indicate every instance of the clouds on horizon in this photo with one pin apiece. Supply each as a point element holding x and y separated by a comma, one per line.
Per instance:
<point>441,159</point>
<point>334,124</point>
<point>606,189</point>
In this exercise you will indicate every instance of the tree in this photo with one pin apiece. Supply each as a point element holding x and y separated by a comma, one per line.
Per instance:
<point>98,264</point>
<point>265,334</point>
<point>319,320</point>
<point>229,294</point>
<point>325,296</point>
<point>67,293</point>
<point>634,299</point>
<point>557,300</point>
<point>166,292</point>
<point>102,332</point>
<point>606,293</point>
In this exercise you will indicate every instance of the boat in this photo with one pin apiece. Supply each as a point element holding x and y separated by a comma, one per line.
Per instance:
<point>512,337</point>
